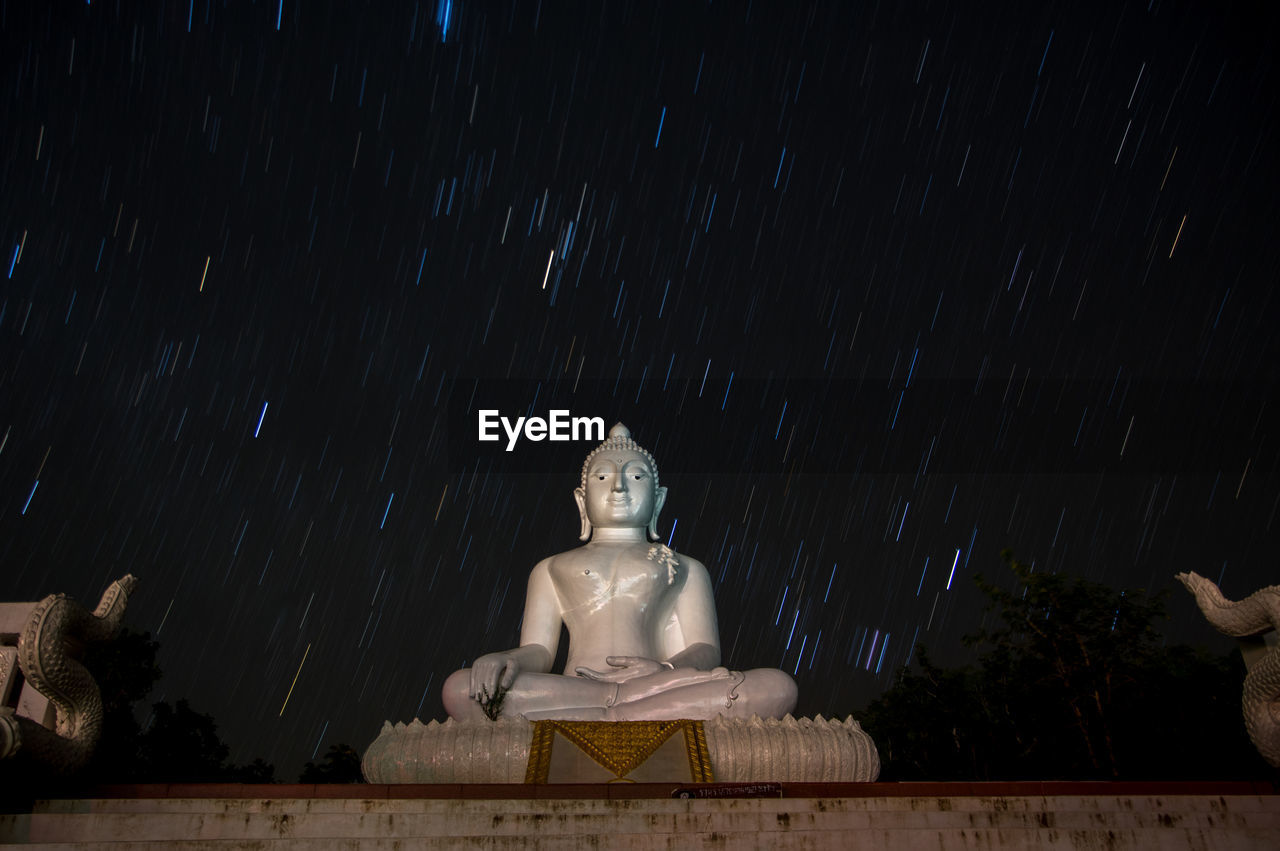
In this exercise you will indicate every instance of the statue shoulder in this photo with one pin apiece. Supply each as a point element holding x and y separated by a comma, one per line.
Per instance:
<point>555,565</point>
<point>541,572</point>
<point>551,562</point>
<point>691,565</point>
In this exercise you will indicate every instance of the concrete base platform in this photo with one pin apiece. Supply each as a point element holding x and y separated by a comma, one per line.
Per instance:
<point>644,816</point>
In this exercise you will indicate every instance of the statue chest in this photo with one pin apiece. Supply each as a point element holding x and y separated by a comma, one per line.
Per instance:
<point>627,585</point>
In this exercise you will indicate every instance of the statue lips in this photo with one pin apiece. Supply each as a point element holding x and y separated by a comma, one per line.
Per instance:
<point>625,509</point>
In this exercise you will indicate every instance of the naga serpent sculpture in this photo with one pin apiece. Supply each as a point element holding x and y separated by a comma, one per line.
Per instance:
<point>50,669</point>
<point>1255,615</point>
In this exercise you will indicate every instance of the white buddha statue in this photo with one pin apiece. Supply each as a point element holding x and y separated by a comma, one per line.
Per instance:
<point>643,639</point>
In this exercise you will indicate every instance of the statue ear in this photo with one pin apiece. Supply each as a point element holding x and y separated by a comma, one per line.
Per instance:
<point>659,499</point>
<point>580,497</point>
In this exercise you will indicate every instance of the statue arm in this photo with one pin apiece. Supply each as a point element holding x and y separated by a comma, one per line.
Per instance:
<point>539,640</point>
<point>542,620</point>
<point>695,640</point>
<point>702,656</point>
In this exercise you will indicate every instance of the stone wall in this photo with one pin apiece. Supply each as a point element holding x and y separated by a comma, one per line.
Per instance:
<point>644,816</point>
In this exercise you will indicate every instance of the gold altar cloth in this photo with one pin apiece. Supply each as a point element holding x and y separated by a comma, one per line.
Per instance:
<point>620,747</point>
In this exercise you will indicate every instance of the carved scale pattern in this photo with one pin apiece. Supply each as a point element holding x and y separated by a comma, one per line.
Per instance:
<point>1256,614</point>
<point>47,666</point>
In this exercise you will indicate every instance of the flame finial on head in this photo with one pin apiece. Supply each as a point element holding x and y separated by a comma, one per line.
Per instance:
<point>620,438</point>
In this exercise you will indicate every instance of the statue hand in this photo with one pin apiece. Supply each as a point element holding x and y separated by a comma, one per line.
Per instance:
<point>492,673</point>
<point>625,668</point>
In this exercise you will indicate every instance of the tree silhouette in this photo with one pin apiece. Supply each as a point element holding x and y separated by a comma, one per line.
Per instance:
<point>1071,683</point>
<point>177,744</point>
<point>258,771</point>
<point>125,670</point>
<point>1067,651</point>
<point>182,745</point>
<point>340,765</point>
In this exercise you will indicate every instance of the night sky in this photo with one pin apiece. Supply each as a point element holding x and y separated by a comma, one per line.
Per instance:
<point>885,288</point>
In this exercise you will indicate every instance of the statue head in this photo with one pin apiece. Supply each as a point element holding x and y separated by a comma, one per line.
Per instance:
<point>619,487</point>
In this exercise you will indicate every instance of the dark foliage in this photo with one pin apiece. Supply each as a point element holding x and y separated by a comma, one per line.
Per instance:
<point>125,670</point>
<point>176,744</point>
<point>258,771</point>
<point>1073,683</point>
<point>340,765</point>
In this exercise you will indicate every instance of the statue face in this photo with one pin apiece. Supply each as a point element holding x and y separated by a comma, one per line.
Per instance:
<point>620,491</point>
